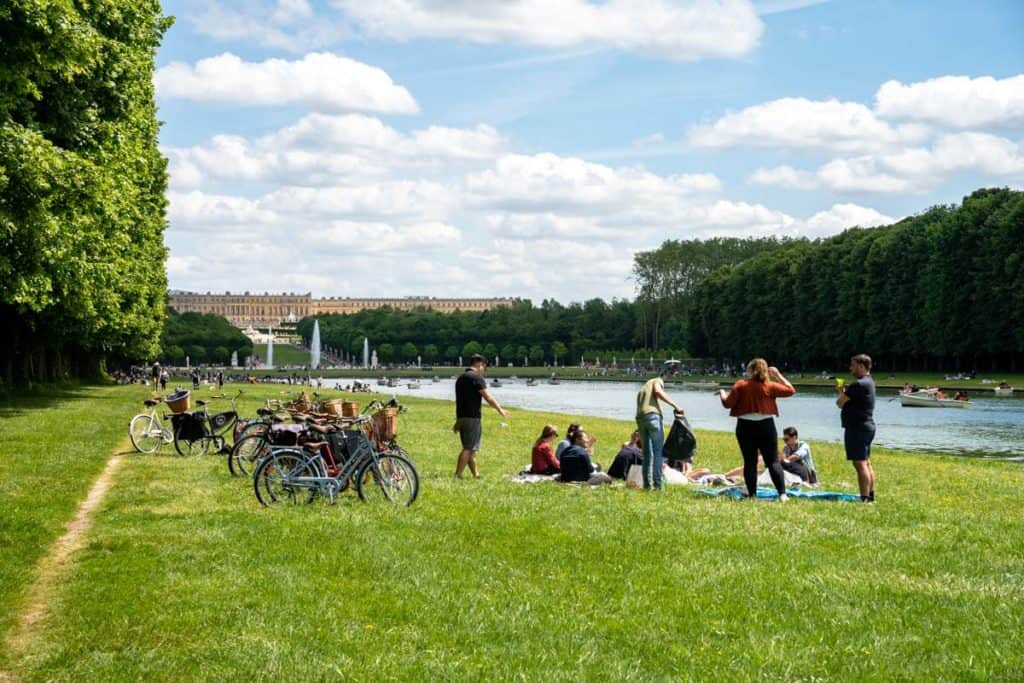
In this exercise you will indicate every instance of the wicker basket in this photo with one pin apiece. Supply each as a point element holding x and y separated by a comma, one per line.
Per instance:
<point>385,424</point>
<point>178,402</point>
<point>301,404</point>
<point>334,406</point>
<point>349,409</point>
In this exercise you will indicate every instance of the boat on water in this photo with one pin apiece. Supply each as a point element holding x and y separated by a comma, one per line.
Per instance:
<point>496,383</point>
<point>414,385</point>
<point>930,399</point>
<point>554,380</point>
<point>382,382</point>
<point>392,382</point>
<point>1003,390</point>
<point>436,379</point>
<point>531,382</point>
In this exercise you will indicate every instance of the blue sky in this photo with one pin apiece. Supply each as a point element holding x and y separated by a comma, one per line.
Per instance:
<point>414,147</point>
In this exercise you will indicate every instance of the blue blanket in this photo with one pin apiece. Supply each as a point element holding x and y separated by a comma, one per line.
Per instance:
<point>768,494</point>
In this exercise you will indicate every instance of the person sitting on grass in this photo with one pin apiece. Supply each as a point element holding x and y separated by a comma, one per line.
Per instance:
<point>570,433</point>
<point>796,456</point>
<point>630,454</point>
<point>544,460</point>
<point>576,464</point>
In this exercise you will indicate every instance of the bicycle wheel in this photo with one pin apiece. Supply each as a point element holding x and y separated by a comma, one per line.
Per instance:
<point>392,478</point>
<point>253,428</point>
<point>246,455</point>
<point>191,447</point>
<point>145,434</point>
<point>274,480</point>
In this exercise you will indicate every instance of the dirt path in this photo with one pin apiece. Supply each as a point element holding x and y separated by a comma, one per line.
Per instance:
<point>54,565</point>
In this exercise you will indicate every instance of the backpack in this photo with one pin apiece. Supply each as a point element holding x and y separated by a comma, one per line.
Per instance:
<point>681,443</point>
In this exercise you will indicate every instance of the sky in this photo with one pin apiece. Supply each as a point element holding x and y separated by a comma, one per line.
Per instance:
<point>529,148</point>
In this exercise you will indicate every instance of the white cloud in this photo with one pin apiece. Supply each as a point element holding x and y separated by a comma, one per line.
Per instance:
<point>911,169</point>
<point>324,149</point>
<point>843,216</point>
<point>321,81</point>
<point>285,25</point>
<point>955,101</point>
<point>798,123</point>
<point>670,29</point>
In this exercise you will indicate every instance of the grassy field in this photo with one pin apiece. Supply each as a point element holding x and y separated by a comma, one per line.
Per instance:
<point>185,577</point>
<point>284,354</point>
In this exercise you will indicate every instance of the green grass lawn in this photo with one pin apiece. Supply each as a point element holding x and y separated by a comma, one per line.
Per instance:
<point>284,354</point>
<point>185,577</point>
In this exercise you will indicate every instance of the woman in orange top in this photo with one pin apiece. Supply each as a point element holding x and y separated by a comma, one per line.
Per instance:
<point>752,402</point>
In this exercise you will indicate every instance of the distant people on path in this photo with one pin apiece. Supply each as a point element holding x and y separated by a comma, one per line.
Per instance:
<point>856,402</point>
<point>796,456</point>
<point>752,403</point>
<point>543,460</point>
<point>220,380</point>
<point>470,388</point>
<point>630,454</point>
<point>652,429</point>
<point>576,464</point>
<point>195,378</point>
<point>155,374</point>
<point>164,376</point>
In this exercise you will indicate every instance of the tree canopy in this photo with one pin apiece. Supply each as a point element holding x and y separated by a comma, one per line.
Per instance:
<point>82,208</point>
<point>943,289</point>
<point>204,337</point>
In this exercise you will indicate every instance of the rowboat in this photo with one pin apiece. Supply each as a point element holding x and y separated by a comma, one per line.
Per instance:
<point>414,385</point>
<point>496,383</point>
<point>928,399</point>
<point>1003,391</point>
<point>531,382</point>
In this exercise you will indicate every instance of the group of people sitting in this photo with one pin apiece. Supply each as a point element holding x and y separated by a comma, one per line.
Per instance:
<point>572,459</point>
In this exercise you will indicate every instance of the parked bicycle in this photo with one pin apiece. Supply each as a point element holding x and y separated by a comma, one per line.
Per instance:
<point>147,430</point>
<point>297,475</point>
<point>197,431</point>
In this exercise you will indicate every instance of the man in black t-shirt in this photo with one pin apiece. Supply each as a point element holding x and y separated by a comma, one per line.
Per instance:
<point>470,388</point>
<point>857,404</point>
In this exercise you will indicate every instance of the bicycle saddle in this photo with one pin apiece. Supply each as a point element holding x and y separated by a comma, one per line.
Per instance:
<point>264,412</point>
<point>314,446</point>
<point>323,429</point>
<point>200,402</point>
<point>150,402</point>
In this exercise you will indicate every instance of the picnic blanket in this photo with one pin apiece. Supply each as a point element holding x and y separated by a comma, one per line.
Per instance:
<point>526,477</point>
<point>766,493</point>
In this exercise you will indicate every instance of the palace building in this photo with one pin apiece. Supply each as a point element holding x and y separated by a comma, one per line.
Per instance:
<point>264,310</point>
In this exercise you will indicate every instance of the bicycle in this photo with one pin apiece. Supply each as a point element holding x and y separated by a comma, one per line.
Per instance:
<point>147,431</point>
<point>195,432</point>
<point>297,475</point>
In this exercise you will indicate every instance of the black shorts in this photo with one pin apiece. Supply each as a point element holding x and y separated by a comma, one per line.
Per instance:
<point>858,443</point>
<point>470,433</point>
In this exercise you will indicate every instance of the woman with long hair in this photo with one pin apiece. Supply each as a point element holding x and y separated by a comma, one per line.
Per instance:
<point>544,460</point>
<point>752,403</point>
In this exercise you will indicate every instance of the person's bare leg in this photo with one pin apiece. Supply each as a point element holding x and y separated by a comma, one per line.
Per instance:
<point>464,457</point>
<point>865,477</point>
<point>472,465</point>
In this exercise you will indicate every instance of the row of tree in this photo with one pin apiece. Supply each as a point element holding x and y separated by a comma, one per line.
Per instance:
<point>549,333</point>
<point>943,289</point>
<point>203,338</point>
<point>82,208</point>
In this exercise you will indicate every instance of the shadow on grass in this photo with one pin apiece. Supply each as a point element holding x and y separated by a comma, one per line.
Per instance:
<point>16,402</point>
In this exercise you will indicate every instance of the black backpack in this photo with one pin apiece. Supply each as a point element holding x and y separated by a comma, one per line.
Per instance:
<point>681,443</point>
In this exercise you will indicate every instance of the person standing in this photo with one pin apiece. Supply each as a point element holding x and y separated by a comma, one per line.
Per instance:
<point>752,403</point>
<point>856,402</point>
<point>220,380</point>
<point>652,428</point>
<point>164,376</point>
<point>470,388</point>
<point>155,373</point>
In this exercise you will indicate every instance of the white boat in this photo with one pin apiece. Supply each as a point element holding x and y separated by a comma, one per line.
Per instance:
<point>414,385</point>
<point>928,399</point>
<point>1003,391</point>
<point>496,383</point>
<point>392,382</point>
<point>531,382</point>
<point>554,380</point>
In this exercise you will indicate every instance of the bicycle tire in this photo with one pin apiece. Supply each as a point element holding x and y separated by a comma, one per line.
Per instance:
<point>270,481</point>
<point>246,455</point>
<point>187,448</point>
<point>396,482</point>
<point>141,432</point>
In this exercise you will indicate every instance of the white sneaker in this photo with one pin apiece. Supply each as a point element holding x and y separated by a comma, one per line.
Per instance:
<point>783,498</point>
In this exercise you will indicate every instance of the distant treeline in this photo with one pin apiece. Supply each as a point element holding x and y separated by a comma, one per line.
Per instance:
<point>82,184</point>
<point>941,290</point>
<point>203,337</point>
<point>542,334</point>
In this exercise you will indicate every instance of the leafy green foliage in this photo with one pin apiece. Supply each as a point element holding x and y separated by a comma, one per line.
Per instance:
<point>81,186</point>
<point>942,289</point>
<point>204,337</point>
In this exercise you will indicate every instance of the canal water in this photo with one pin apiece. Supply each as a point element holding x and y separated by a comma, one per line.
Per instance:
<point>991,427</point>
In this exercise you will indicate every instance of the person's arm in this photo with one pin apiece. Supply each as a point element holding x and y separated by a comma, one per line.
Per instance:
<point>843,397</point>
<point>782,386</point>
<point>493,403</point>
<point>802,453</point>
<point>659,392</point>
<point>728,399</point>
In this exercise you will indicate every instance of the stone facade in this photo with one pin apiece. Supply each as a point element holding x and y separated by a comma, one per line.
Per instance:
<point>262,310</point>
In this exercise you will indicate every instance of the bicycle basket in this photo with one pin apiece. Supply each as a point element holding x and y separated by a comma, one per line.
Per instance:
<point>220,419</point>
<point>385,424</point>
<point>178,402</point>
